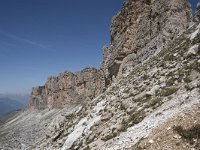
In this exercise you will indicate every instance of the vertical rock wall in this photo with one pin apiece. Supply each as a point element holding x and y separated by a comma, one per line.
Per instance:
<point>141,28</point>
<point>68,88</point>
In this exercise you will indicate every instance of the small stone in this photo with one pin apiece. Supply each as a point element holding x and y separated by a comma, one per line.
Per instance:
<point>169,128</point>
<point>177,136</point>
<point>151,141</point>
<point>176,54</point>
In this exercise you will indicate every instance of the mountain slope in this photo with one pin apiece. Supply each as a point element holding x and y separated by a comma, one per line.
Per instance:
<point>149,80</point>
<point>136,34</point>
<point>165,87</point>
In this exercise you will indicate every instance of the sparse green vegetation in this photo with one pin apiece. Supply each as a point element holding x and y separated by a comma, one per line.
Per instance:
<point>136,117</point>
<point>187,79</point>
<point>153,103</point>
<point>169,57</point>
<point>70,116</point>
<point>145,77</point>
<point>124,126</point>
<point>170,81</point>
<point>196,40</point>
<point>108,137</point>
<point>168,91</point>
<point>88,141</point>
<point>181,73</point>
<point>193,66</point>
<point>187,87</point>
<point>114,88</point>
<point>190,135</point>
<point>87,148</point>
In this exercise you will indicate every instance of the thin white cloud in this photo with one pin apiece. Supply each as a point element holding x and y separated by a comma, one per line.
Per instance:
<point>17,38</point>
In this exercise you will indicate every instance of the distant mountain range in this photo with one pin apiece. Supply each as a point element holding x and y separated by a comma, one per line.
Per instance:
<point>12,102</point>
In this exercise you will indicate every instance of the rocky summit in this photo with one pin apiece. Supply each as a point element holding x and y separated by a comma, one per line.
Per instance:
<point>146,94</point>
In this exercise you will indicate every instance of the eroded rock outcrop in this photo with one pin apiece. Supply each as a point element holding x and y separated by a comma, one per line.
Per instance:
<point>38,98</point>
<point>140,29</point>
<point>68,88</point>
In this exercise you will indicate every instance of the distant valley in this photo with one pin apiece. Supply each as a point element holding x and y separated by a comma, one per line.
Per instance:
<point>10,103</point>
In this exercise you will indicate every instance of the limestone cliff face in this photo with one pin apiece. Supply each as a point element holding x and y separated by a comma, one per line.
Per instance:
<point>68,88</point>
<point>140,29</point>
<point>38,98</point>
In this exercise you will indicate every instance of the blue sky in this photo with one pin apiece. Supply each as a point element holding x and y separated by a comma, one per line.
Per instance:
<point>39,38</point>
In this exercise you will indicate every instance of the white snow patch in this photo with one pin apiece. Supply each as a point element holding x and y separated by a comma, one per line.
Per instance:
<point>84,125</point>
<point>177,105</point>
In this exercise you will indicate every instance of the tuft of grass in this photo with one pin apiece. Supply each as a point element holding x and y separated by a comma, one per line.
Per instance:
<point>194,66</point>
<point>88,141</point>
<point>87,148</point>
<point>136,117</point>
<point>153,103</point>
<point>168,91</point>
<point>187,79</point>
<point>169,57</point>
<point>196,40</point>
<point>124,126</point>
<point>187,87</point>
<point>109,137</point>
<point>145,77</point>
<point>170,81</point>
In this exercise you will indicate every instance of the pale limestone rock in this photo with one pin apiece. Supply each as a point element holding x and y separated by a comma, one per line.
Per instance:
<point>139,30</point>
<point>68,88</point>
<point>193,50</point>
<point>143,31</point>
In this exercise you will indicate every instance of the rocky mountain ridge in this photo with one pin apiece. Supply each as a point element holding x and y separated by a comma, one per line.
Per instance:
<point>150,102</point>
<point>68,88</point>
<point>162,92</point>
<point>140,29</point>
